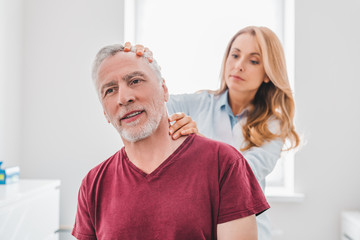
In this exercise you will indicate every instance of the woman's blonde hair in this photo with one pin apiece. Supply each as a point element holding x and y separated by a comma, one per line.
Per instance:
<point>273,99</point>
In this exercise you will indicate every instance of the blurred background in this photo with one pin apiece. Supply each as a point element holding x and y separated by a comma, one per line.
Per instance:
<point>52,125</point>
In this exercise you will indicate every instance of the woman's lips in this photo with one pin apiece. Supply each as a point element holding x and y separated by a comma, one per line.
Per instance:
<point>237,77</point>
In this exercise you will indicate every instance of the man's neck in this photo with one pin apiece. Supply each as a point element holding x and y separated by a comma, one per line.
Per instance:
<point>149,153</point>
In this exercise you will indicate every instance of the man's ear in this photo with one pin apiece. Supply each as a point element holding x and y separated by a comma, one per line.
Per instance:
<point>107,118</point>
<point>166,91</point>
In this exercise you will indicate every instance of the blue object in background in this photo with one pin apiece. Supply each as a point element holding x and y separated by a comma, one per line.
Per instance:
<point>9,174</point>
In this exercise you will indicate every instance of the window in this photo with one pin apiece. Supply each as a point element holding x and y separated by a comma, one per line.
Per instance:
<point>189,38</point>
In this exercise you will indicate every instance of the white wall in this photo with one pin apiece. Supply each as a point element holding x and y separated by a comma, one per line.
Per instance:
<point>328,114</point>
<point>64,131</point>
<point>11,32</point>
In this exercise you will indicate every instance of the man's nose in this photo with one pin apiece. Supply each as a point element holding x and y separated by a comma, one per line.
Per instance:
<point>125,97</point>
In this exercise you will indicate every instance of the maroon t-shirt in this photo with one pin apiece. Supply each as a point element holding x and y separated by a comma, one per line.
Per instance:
<point>202,184</point>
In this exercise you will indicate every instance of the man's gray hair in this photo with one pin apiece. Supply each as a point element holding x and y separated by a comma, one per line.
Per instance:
<point>111,50</point>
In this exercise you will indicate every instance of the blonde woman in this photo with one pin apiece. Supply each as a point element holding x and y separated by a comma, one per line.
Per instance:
<point>253,109</point>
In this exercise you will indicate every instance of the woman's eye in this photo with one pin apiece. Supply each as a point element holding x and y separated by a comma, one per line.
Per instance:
<point>254,62</point>
<point>234,56</point>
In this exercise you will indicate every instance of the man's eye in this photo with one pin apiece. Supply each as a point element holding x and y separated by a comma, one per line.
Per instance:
<point>135,81</point>
<point>108,91</point>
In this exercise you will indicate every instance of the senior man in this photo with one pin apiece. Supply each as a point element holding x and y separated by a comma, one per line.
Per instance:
<point>156,187</point>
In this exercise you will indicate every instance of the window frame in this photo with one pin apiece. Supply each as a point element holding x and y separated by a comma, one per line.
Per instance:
<point>286,185</point>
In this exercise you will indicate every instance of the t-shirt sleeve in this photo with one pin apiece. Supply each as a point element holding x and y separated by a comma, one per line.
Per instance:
<point>240,192</point>
<point>83,228</point>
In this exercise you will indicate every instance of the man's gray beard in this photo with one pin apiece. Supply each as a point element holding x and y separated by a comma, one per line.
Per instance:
<point>145,131</point>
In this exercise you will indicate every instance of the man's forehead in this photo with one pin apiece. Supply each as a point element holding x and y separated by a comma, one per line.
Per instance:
<point>124,62</point>
<point>124,67</point>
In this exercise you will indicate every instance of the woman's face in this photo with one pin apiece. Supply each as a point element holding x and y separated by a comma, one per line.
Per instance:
<point>244,69</point>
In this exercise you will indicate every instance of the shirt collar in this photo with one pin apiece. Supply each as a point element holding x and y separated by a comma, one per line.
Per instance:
<point>225,106</point>
<point>223,100</point>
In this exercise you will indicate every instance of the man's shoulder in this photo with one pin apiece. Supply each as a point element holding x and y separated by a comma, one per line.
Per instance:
<point>217,154</point>
<point>212,142</point>
<point>101,167</point>
<point>221,149</point>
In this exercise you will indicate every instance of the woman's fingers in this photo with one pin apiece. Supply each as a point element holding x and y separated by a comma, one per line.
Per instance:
<point>176,116</point>
<point>127,47</point>
<point>189,131</point>
<point>148,53</point>
<point>140,51</point>
<point>184,130</point>
<point>184,125</point>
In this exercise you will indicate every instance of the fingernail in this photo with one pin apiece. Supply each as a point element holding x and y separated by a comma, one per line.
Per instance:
<point>126,49</point>
<point>139,53</point>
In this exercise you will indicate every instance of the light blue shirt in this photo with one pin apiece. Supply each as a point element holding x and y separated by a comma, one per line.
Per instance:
<point>215,120</point>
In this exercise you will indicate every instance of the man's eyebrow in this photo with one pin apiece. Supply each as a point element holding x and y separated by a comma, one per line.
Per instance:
<point>252,54</point>
<point>129,76</point>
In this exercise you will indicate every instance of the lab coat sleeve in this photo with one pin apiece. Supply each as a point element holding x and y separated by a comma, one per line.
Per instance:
<point>178,103</point>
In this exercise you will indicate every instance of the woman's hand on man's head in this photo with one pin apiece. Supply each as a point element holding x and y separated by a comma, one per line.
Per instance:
<point>140,51</point>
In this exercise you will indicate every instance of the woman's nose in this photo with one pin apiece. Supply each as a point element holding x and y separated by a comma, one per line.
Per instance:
<point>239,65</point>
